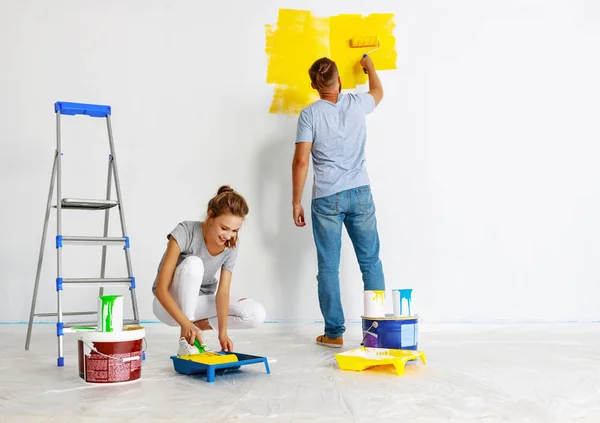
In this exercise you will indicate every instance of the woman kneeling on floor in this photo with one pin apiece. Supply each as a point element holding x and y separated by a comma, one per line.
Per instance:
<point>186,282</point>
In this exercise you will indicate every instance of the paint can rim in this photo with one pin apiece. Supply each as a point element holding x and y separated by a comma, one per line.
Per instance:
<point>415,317</point>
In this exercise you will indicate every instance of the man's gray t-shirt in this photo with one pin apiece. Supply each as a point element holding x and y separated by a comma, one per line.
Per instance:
<point>338,133</point>
<point>188,235</point>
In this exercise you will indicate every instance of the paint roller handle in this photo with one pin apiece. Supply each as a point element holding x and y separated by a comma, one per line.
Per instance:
<point>366,62</point>
<point>200,347</point>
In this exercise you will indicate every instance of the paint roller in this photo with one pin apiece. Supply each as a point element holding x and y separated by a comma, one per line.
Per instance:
<point>364,42</point>
<point>210,358</point>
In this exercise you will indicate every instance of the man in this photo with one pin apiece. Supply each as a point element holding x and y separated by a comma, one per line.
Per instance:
<point>333,129</point>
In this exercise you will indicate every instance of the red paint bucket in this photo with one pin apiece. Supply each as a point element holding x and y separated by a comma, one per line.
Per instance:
<point>111,357</point>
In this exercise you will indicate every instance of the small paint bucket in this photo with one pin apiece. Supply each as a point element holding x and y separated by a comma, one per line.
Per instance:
<point>111,357</point>
<point>110,313</point>
<point>374,303</point>
<point>399,333</point>
<point>402,299</point>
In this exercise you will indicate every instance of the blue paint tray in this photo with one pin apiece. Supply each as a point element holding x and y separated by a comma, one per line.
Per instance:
<point>189,367</point>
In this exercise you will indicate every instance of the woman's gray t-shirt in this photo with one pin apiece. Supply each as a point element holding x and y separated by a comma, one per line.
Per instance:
<point>188,235</point>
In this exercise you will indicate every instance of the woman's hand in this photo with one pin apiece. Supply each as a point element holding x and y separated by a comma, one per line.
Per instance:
<point>190,332</point>
<point>225,341</point>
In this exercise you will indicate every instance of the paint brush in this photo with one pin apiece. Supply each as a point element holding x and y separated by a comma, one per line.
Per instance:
<point>362,42</point>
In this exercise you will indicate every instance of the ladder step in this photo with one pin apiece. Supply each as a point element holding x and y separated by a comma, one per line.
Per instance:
<point>98,282</point>
<point>68,313</point>
<point>92,110</point>
<point>95,240</point>
<point>69,325</point>
<point>108,281</point>
<point>87,204</point>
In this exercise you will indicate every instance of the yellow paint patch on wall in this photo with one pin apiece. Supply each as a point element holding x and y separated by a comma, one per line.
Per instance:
<point>293,45</point>
<point>299,38</point>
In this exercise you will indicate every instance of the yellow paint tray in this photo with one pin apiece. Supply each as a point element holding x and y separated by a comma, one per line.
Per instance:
<point>363,358</point>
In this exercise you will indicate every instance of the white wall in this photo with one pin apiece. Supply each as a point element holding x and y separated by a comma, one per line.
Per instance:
<point>482,155</point>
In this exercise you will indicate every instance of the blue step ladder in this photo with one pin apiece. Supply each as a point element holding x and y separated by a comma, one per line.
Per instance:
<point>62,327</point>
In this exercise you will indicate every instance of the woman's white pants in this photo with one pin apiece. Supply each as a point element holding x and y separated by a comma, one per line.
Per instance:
<point>243,314</point>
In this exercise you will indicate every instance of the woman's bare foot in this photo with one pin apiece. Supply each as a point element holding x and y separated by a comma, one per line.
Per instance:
<point>203,324</point>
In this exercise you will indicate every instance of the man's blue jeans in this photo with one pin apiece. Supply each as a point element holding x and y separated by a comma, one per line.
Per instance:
<point>355,209</point>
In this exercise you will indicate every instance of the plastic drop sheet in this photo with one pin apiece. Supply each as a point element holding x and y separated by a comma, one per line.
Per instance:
<point>474,373</point>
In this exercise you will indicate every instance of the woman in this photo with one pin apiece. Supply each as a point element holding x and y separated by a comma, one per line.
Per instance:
<point>187,293</point>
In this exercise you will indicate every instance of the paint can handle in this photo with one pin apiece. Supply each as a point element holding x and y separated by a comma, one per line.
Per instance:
<point>122,360</point>
<point>373,325</point>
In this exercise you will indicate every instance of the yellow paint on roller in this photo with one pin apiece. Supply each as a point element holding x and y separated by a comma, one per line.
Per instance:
<point>299,38</point>
<point>358,42</point>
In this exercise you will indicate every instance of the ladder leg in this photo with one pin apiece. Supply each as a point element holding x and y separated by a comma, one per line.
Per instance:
<point>106,220</point>
<point>122,217</point>
<point>41,256</point>
<point>59,322</point>
<point>136,316</point>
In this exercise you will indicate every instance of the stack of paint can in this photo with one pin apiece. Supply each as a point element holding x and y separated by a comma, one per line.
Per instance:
<point>398,330</point>
<point>111,353</point>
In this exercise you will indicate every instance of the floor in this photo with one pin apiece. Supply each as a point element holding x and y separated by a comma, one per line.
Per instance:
<point>474,374</point>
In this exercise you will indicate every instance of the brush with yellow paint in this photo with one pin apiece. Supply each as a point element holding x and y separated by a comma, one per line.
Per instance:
<point>364,42</point>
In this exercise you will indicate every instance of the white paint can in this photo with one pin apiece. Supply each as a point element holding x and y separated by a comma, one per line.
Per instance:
<point>396,300</point>
<point>110,313</point>
<point>374,303</point>
<point>402,299</point>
